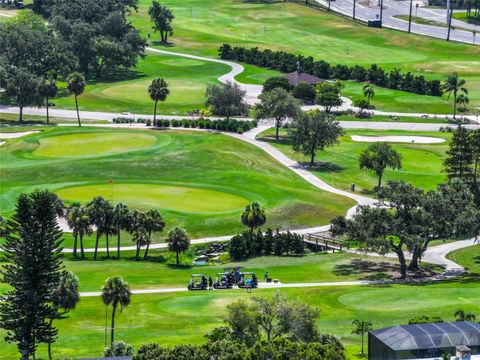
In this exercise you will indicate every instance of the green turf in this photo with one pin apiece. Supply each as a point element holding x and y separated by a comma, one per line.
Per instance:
<point>422,164</point>
<point>197,180</point>
<point>93,144</point>
<point>400,119</point>
<point>200,27</point>
<point>463,16</point>
<point>168,197</point>
<point>469,257</point>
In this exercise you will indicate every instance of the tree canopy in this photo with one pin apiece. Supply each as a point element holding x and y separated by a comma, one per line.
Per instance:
<point>226,99</point>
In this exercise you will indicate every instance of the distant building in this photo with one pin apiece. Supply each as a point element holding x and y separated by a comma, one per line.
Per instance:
<point>296,77</point>
<point>425,341</point>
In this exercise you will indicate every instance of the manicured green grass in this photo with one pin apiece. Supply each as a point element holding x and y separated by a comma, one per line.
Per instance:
<point>419,20</point>
<point>463,16</point>
<point>469,257</point>
<point>202,26</point>
<point>422,164</point>
<point>184,317</point>
<point>401,119</point>
<point>197,180</point>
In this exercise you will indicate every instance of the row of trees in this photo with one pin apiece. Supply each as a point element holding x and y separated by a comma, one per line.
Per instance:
<point>286,62</point>
<point>412,220</point>
<point>260,328</point>
<point>111,220</point>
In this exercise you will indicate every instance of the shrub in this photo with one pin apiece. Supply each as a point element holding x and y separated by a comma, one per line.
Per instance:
<point>148,122</point>
<point>118,348</point>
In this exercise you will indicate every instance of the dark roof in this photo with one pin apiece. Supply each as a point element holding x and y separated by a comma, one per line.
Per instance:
<point>429,336</point>
<point>295,77</point>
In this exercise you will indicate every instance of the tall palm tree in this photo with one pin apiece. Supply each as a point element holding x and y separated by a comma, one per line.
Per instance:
<point>76,85</point>
<point>108,226</point>
<point>453,85</point>
<point>377,157</point>
<point>178,241</point>
<point>461,315</point>
<point>84,227</point>
<point>64,297</point>
<point>153,223</point>
<point>361,328</point>
<point>115,292</point>
<point>253,216</point>
<point>47,90</point>
<point>72,218</point>
<point>120,221</point>
<point>136,228</point>
<point>368,92</point>
<point>96,212</point>
<point>158,91</point>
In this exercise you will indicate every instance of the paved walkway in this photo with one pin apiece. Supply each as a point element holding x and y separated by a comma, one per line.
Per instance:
<point>252,92</point>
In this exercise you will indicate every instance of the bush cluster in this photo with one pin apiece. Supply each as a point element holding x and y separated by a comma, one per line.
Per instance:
<point>249,244</point>
<point>286,62</point>
<point>230,125</point>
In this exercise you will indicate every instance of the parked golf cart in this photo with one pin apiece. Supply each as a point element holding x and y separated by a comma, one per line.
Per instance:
<point>247,279</point>
<point>223,281</point>
<point>198,282</point>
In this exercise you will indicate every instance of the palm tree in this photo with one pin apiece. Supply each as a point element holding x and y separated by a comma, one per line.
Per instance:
<point>96,212</point>
<point>72,218</point>
<point>377,157</point>
<point>368,92</point>
<point>115,292</point>
<point>141,238</point>
<point>253,216</point>
<point>158,91</point>
<point>153,223</point>
<point>178,241</point>
<point>461,315</point>
<point>76,85</point>
<point>454,85</point>
<point>64,297</point>
<point>108,226</point>
<point>136,228</point>
<point>361,328</point>
<point>120,221</point>
<point>84,227</point>
<point>47,90</point>
<point>463,101</point>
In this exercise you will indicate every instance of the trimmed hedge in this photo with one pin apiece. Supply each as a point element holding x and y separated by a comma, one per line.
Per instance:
<point>248,244</point>
<point>286,62</point>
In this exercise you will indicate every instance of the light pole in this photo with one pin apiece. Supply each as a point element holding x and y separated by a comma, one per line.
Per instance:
<point>410,17</point>
<point>381,13</point>
<point>354,6</point>
<point>449,23</point>
<point>329,1</point>
<point>416,9</point>
<point>474,33</point>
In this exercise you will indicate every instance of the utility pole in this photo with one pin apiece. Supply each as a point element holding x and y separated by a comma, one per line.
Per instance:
<point>381,12</point>
<point>354,6</point>
<point>329,1</point>
<point>448,10</point>
<point>410,16</point>
<point>450,13</point>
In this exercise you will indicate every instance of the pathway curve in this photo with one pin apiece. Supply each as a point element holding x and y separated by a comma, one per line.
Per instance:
<point>252,93</point>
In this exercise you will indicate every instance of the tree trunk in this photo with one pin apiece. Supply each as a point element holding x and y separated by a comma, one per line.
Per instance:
<point>96,245</point>
<point>155,113</point>
<point>118,242</point>
<point>82,252</point>
<point>403,264</point>
<point>75,238</point>
<point>380,180</point>
<point>363,349</point>
<point>454,103</point>
<point>178,261</point>
<point>46,107</point>
<point>137,252</point>
<point>413,266</point>
<point>108,248</point>
<point>277,128</point>
<point>20,116</point>
<point>312,157</point>
<point>146,252</point>
<point>78,114</point>
<point>113,325</point>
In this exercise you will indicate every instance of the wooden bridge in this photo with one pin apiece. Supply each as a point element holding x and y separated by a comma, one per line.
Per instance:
<point>325,243</point>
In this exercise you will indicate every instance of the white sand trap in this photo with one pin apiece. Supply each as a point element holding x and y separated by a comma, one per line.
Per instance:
<point>2,142</point>
<point>399,139</point>
<point>13,135</point>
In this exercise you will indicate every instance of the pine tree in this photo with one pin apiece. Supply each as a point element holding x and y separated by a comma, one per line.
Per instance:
<point>33,269</point>
<point>459,161</point>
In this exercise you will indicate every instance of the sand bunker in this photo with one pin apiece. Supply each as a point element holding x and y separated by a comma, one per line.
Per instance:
<point>13,135</point>
<point>399,139</point>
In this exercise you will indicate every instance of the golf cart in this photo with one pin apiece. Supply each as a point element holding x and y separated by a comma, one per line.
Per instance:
<point>247,279</point>
<point>198,282</point>
<point>223,281</point>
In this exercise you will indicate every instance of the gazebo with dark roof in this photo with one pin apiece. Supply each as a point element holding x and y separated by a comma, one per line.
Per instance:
<point>297,77</point>
<point>423,341</point>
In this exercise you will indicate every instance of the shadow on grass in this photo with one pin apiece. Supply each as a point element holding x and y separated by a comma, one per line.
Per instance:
<point>322,166</point>
<point>371,270</point>
<point>162,44</point>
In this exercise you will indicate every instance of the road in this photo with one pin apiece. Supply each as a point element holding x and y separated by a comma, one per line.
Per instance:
<point>370,9</point>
